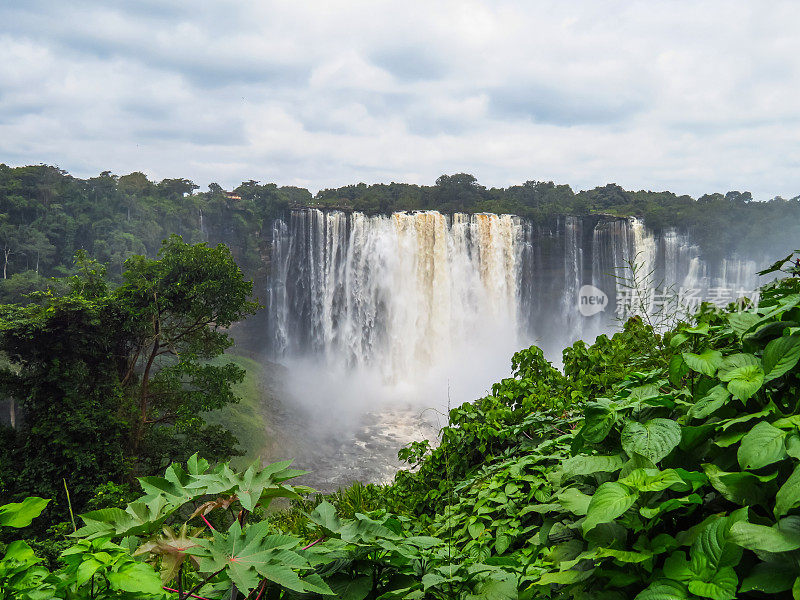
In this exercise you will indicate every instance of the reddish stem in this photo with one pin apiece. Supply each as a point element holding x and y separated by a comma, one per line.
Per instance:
<point>192,595</point>
<point>202,516</point>
<point>312,544</point>
<point>263,587</point>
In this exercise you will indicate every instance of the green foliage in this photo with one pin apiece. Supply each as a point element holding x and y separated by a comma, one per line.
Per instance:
<point>63,374</point>
<point>669,470</point>
<point>21,576</point>
<point>244,419</point>
<point>114,381</point>
<point>46,216</point>
<point>20,514</point>
<point>680,481</point>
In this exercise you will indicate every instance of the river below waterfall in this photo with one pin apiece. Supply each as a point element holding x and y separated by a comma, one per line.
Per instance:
<point>340,447</point>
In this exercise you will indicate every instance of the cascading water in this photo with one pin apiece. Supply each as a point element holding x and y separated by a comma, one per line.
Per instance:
<point>384,314</point>
<point>573,276</point>
<point>397,293</point>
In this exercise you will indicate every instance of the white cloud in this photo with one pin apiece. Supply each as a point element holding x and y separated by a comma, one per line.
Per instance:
<point>688,96</point>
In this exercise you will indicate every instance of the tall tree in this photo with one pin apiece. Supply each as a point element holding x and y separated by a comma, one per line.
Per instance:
<point>180,305</point>
<point>10,241</point>
<point>112,381</point>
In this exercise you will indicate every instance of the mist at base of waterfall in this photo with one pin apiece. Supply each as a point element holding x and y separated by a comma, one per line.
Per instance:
<point>348,425</point>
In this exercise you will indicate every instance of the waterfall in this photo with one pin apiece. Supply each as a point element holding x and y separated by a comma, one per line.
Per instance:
<point>395,293</point>
<point>642,257</point>
<point>203,231</point>
<point>406,294</point>
<point>573,275</point>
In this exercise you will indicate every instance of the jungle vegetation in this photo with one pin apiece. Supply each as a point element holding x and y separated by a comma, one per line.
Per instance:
<point>655,466</point>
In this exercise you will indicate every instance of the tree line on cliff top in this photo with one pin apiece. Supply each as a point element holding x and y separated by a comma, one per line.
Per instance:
<point>46,215</point>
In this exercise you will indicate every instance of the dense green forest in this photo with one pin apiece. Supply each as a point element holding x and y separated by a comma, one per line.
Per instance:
<point>654,466</point>
<point>46,215</point>
<point>113,381</point>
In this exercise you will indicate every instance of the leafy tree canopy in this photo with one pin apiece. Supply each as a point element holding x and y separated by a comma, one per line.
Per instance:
<point>115,380</point>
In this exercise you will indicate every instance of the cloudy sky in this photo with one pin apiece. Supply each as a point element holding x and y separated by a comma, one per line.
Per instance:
<point>688,96</point>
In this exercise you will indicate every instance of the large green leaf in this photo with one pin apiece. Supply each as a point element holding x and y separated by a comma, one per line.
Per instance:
<point>743,382</point>
<point>706,362</point>
<point>21,514</point>
<point>742,321</point>
<point>610,501</point>
<point>790,422</point>
<point>788,496</point>
<point>136,578</point>
<point>500,586</point>
<point>315,584</point>
<point>669,505</point>
<point>664,589</point>
<point>256,485</point>
<point>423,541</point>
<point>763,538</point>
<point>172,485</point>
<point>720,586</point>
<point>559,578</point>
<point>246,556</point>
<point>743,373</point>
<point>696,435</point>
<point>677,369</point>
<point>363,529</point>
<point>736,361</point>
<point>739,487</point>
<point>702,329</point>
<point>574,501</point>
<point>713,545</point>
<point>653,480</point>
<point>765,412</point>
<point>677,340</point>
<point>325,516</point>
<point>761,446</point>
<point>21,553</point>
<point>280,574</point>
<point>653,439</point>
<point>347,588</point>
<point>780,356</point>
<point>768,578</point>
<point>678,568</point>
<point>625,556</point>
<point>586,465</point>
<point>715,399</point>
<point>599,418</point>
